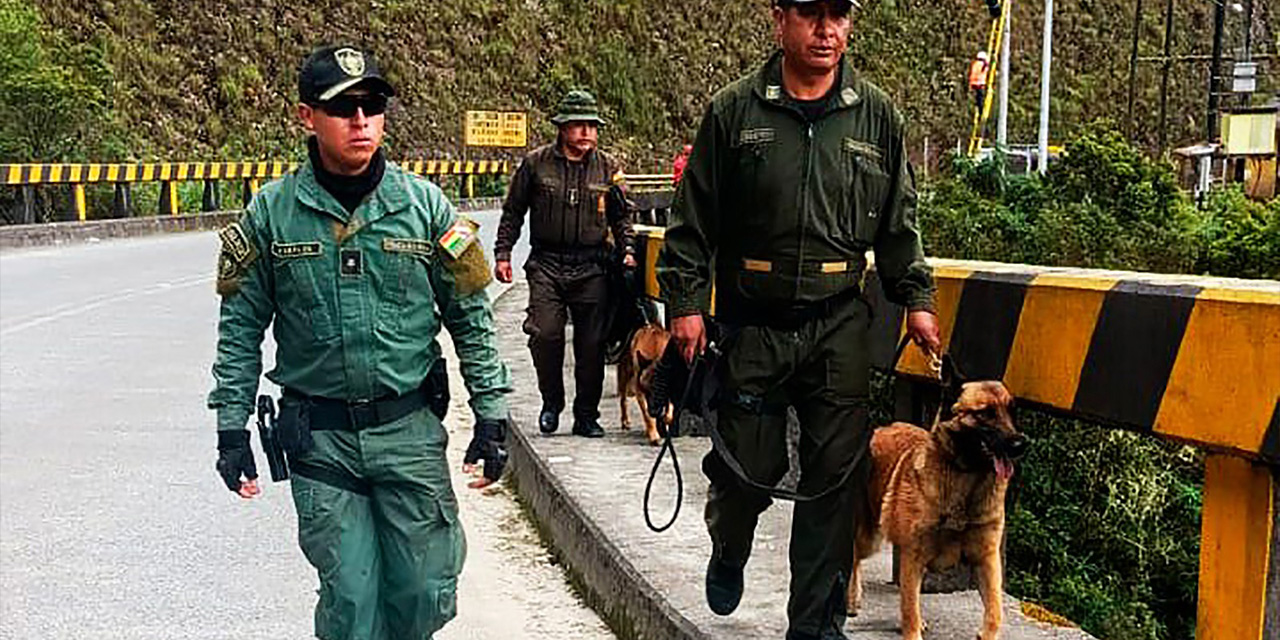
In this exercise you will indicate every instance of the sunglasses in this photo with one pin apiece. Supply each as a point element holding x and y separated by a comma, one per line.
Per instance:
<point>344,106</point>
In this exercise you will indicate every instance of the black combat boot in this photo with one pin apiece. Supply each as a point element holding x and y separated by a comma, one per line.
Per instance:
<point>587,428</point>
<point>548,421</point>
<point>724,586</point>
<point>827,634</point>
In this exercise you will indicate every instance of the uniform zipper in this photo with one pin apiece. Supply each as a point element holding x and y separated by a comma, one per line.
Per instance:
<point>804,204</point>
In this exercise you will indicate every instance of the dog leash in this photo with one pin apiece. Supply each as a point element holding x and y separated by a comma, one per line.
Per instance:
<point>658,401</point>
<point>731,461</point>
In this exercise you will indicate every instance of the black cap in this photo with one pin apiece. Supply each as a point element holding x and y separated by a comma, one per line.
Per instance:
<point>331,70</point>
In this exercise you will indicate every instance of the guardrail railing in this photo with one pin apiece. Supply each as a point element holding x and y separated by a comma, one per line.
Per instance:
<point>169,174</point>
<point>1186,358</point>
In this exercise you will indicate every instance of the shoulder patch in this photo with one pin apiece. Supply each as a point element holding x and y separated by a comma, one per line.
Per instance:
<point>459,237</point>
<point>470,271</point>
<point>295,249</point>
<point>416,246</point>
<point>464,257</point>
<point>234,259</point>
<point>235,242</point>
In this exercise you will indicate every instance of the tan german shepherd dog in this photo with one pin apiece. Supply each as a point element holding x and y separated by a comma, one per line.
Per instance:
<point>938,496</point>
<point>635,375</point>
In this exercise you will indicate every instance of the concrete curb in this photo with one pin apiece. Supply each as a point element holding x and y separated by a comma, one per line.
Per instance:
<point>607,581</point>
<point>57,233</point>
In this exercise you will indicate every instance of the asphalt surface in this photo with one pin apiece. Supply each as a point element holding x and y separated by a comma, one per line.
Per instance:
<point>113,523</point>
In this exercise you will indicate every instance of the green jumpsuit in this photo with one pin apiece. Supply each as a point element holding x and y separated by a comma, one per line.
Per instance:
<point>778,205</point>
<point>355,302</point>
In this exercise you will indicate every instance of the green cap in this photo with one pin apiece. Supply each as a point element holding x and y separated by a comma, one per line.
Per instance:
<point>578,106</point>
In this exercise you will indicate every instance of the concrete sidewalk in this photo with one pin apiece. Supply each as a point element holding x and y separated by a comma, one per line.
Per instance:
<point>586,496</point>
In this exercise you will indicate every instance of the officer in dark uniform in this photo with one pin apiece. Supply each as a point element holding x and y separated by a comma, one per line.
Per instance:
<point>798,169</point>
<point>565,186</point>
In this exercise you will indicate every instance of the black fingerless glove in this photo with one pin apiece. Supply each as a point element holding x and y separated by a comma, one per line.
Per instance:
<point>235,457</point>
<point>488,443</point>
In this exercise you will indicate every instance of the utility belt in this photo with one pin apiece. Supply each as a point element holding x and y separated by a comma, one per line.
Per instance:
<point>573,254</point>
<point>287,435</point>
<point>736,311</point>
<point>327,414</point>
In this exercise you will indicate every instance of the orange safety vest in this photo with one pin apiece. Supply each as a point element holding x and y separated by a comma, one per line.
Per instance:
<point>978,75</point>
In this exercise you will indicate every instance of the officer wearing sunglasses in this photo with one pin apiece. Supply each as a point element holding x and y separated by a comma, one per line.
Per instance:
<point>356,265</point>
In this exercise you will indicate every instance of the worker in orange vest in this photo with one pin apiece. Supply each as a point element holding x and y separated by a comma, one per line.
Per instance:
<point>978,78</point>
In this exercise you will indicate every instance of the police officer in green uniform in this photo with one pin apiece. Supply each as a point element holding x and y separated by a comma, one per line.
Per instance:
<point>356,264</point>
<point>564,187</point>
<point>798,169</point>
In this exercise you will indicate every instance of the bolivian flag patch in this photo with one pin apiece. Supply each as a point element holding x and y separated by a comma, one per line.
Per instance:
<point>459,237</point>
<point>464,257</point>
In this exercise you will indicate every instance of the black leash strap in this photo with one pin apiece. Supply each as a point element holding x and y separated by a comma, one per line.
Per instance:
<point>722,448</point>
<point>658,404</point>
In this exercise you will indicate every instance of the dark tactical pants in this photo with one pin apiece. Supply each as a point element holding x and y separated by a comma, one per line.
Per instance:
<point>821,368</point>
<point>559,287</point>
<point>378,520</point>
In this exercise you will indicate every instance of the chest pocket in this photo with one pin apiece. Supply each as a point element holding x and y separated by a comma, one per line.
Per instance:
<point>301,284</point>
<point>867,192</point>
<point>753,149</point>
<point>546,198</point>
<point>751,193</point>
<point>408,295</point>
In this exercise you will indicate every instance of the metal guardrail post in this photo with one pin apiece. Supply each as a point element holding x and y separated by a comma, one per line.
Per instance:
<point>122,204</point>
<point>28,204</point>
<point>168,205</point>
<point>1239,551</point>
<point>82,208</point>
<point>250,188</point>
<point>210,200</point>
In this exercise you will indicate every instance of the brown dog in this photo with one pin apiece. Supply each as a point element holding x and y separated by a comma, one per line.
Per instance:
<point>635,374</point>
<point>939,497</point>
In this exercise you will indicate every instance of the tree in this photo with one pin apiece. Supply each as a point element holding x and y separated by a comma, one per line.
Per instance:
<point>54,103</point>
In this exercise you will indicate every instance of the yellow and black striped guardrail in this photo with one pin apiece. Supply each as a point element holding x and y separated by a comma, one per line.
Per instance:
<point>1187,358</point>
<point>168,173</point>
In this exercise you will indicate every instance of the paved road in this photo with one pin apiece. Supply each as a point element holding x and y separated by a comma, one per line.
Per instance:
<point>113,523</point>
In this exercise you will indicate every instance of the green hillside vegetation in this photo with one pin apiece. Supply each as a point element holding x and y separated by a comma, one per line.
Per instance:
<point>181,81</point>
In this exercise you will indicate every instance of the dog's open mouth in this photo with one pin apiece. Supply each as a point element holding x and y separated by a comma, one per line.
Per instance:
<point>1004,467</point>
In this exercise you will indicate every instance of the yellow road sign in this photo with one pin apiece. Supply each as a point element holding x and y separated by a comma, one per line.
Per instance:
<point>497,129</point>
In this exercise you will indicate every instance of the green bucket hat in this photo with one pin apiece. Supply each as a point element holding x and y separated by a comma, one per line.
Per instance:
<point>577,106</point>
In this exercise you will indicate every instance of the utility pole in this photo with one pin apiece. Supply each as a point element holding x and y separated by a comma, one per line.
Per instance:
<point>1133,61</point>
<point>1002,121</point>
<point>1046,58</point>
<point>1248,30</point>
<point>1164,77</point>
<point>1215,80</point>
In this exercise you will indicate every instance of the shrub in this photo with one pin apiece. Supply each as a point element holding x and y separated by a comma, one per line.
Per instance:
<point>1105,528</point>
<point>53,96</point>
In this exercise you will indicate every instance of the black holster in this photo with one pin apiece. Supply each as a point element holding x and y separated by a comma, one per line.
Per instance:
<point>270,441</point>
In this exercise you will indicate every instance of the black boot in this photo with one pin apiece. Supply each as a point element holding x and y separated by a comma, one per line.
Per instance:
<point>587,428</point>
<point>829,634</point>
<point>548,421</point>
<point>724,586</point>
